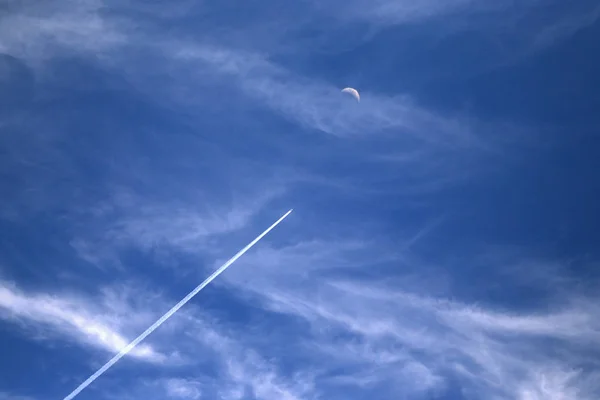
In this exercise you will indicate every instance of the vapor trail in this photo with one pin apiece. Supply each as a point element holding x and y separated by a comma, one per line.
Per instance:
<point>172,311</point>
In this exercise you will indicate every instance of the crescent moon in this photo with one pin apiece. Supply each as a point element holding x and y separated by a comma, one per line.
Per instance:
<point>353,92</point>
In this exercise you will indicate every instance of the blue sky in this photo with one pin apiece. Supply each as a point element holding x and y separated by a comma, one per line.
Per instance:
<point>443,243</point>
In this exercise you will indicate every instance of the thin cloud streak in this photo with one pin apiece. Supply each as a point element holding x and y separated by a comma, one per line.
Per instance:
<point>388,332</point>
<point>396,12</point>
<point>237,367</point>
<point>183,389</point>
<point>320,106</point>
<point>10,396</point>
<point>37,32</point>
<point>71,317</point>
<point>173,310</point>
<point>311,103</point>
<point>185,223</point>
<point>492,351</point>
<point>387,129</point>
<point>98,27</point>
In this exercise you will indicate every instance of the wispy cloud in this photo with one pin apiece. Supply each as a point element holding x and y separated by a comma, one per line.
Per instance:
<point>73,319</point>
<point>553,383</point>
<point>97,27</point>
<point>566,26</point>
<point>502,17</point>
<point>264,380</point>
<point>351,331</point>
<point>382,132</point>
<point>221,361</point>
<point>310,102</point>
<point>38,31</point>
<point>11,396</point>
<point>394,12</point>
<point>351,328</point>
<point>491,351</point>
<point>318,105</point>
<point>183,388</point>
<point>193,224</point>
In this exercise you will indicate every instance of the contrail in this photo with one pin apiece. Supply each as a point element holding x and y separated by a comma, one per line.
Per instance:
<point>172,311</point>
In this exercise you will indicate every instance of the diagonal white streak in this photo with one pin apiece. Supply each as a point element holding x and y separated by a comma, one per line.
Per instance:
<point>172,311</point>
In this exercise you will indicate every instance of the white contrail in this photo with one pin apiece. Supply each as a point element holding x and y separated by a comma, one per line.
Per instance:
<point>172,311</point>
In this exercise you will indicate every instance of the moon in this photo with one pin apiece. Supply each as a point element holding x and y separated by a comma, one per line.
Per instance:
<point>353,92</point>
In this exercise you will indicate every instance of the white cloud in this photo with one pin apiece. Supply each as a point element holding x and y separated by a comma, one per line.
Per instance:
<point>264,381</point>
<point>310,102</point>
<point>96,28</point>
<point>221,364</point>
<point>388,333</point>
<point>319,105</point>
<point>11,396</point>
<point>240,362</point>
<point>195,224</point>
<point>38,31</point>
<point>183,389</point>
<point>365,335</point>
<point>565,27</point>
<point>395,12</point>
<point>72,318</point>
<point>495,353</point>
<point>504,18</point>
<point>179,226</point>
<point>387,130</point>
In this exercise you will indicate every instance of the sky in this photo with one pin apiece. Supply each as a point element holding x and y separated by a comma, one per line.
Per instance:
<point>443,243</point>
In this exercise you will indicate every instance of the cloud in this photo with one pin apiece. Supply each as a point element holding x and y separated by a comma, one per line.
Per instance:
<point>310,102</point>
<point>383,327</point>
<point>10,396</point>
<point>393,12</point>
<point>555,384</point>
<point>350,330</point>
<point>324,318</point>
<point>264,381</point>
<point>182,227</point>
<point>239,364</point>
<point>461,15</point>
<point>195,224</point>
<point>319,105</point>
<point>566,26</point>
<point>167,69</point>
<point>221,361</point>
<point>381,133</point>
<point>95,28</point>
<point>46,315</point>
<point>38,31</point>
<point>183,389</point>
